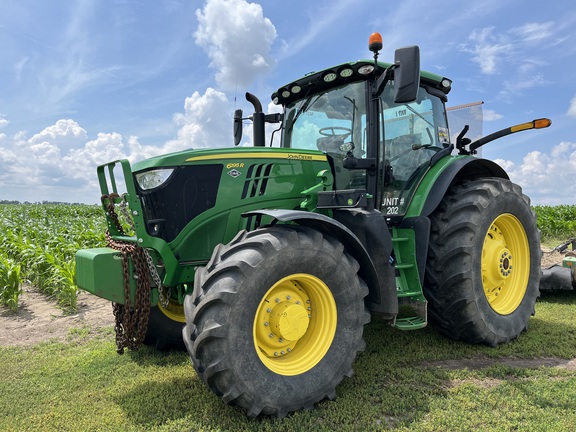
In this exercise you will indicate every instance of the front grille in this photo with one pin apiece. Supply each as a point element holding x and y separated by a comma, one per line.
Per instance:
<point>190,191</point>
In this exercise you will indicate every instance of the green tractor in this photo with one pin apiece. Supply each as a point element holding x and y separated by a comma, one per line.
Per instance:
<point>265,263</point>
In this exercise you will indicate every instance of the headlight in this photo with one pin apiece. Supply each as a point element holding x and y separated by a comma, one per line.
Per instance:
<point>153,178</point>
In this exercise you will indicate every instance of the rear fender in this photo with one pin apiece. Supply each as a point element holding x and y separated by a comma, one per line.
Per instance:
<point>466,167</point>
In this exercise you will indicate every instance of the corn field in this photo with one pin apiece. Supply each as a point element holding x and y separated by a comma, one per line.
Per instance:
<point>39,242</point>
<point>556,222</point>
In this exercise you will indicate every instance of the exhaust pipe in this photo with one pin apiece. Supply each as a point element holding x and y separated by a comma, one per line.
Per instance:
<point>258,121</point>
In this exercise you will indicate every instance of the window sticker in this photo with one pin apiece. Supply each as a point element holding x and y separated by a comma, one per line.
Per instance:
<point>443,135</point>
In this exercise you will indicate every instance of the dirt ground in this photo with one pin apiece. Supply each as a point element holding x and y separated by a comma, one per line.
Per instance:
<point>550,258</point>
<point>38,318</point>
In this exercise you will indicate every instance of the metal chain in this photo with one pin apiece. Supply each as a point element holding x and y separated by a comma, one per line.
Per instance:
<point>131,323</point>
<point>164,299</point>
<point>112,212</point>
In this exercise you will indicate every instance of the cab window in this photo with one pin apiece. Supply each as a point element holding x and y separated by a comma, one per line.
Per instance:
<point>411,134</point>
<point>333,122</point>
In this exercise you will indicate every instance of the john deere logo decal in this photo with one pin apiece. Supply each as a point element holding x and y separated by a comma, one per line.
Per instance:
<point>234,173</point>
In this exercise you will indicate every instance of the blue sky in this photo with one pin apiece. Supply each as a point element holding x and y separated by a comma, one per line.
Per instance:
<point>86,82</point>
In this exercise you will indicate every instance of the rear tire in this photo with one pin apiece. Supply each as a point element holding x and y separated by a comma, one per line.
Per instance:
<point>249,332</point>
<point>483,267</point>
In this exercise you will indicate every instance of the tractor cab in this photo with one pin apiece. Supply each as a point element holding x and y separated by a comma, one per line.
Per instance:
<point>375,140</point>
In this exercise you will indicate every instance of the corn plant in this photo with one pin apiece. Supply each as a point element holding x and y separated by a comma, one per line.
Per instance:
<point>556,222</point>
<point>43,240</point>
<point>10,283</point>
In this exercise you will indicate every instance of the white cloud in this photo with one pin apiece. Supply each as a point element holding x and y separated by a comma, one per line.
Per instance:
<point>64,134</point>
<point>540,174</point>
<point>488,48</point>
<point>527,76</point>
<point>237,38</point>
<point>491,115</point>
<point>563,149</point>
<point>206,122</point>
<point>3,121</point>
<point>507,165</point>
<point>572,108</point>
<point>533,32</point>
<point>84,160</point>
<point>59,162</point>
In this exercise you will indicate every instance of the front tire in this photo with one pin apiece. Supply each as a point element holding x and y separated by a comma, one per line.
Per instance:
<point>276,319</point>
<point>165,325</point>
<point>483,267</point>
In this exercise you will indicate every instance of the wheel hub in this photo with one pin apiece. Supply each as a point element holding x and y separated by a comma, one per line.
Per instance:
<point>505,264</point>
<point>294,324</point>
<point>289,321</point>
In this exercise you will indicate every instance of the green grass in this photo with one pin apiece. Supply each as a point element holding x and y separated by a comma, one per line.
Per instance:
<point>400,384</point>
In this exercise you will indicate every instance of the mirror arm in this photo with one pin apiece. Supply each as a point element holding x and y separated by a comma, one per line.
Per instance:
<point>383,80</point>
<point>273,118</point>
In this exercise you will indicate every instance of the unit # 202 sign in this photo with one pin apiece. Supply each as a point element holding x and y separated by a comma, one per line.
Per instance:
<point>391,205</point>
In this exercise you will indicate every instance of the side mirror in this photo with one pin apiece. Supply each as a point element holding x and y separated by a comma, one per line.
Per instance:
<point>237,126</point>
<point>406,74</point>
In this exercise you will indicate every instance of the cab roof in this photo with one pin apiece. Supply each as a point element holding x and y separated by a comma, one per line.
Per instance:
<point>336,76</point>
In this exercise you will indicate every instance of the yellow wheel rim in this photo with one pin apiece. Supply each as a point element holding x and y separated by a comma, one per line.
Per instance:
<point>505,264</point>
<point>295,324</point>
<point>174,310</point>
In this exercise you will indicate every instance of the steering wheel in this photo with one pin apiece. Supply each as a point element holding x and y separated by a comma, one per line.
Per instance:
<point>331,131</point>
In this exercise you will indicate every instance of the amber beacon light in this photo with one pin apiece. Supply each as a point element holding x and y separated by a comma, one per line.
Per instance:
<point>375,42</point>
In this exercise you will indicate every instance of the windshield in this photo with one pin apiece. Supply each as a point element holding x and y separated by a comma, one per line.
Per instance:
<point>334,122</point>
<point>413,133</point>
<point>326,121</point>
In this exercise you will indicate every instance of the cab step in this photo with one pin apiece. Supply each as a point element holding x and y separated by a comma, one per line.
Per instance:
<point>411,323</point>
